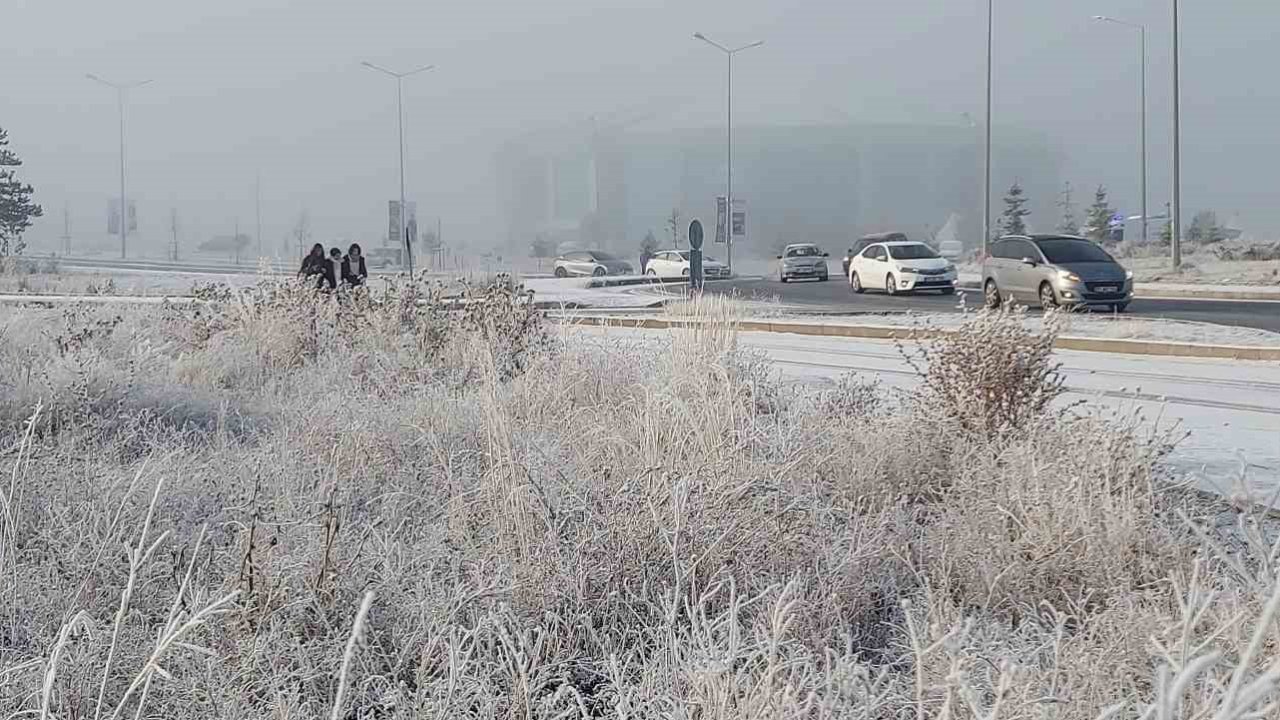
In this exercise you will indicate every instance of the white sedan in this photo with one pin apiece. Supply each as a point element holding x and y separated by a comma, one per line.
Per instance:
<point>675,263</point>
<point>901,267</point>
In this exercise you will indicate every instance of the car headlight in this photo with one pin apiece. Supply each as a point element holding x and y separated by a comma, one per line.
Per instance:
<point>911,270</point>
<point>949,268</point>
<point>1068,275</point>
<point>1128,274</point>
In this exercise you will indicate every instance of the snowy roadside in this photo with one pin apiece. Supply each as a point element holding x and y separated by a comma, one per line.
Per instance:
<point>1081,325</point>
<point>1229,409</point>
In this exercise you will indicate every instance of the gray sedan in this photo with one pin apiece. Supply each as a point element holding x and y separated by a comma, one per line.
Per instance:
<point>1053,270</point>
<point>591,262</point>
<point>803,260</point>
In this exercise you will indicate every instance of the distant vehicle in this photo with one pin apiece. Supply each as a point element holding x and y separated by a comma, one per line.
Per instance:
<point>1054,270</point>
<point>802,260</point>
<point>383,257</point>
<point>901,267</point>
<point>675,263</point>
<point>861,244</point>
<point>596,263</point>
<point>951,249</point>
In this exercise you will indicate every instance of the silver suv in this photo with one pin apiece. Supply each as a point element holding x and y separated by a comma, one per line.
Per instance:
<point>1052,270</point>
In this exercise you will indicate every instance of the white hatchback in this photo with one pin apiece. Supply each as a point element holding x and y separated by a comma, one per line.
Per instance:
<point>670,264</point>
<point>901,267</point>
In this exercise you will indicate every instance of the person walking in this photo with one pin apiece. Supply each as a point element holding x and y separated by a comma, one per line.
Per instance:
<point>354,272</point>
<point>313,263</point>
<point>331,271</point>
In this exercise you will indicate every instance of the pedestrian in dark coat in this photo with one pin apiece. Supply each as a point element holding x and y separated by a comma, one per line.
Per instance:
<point>331,270</point>
<point>354,272</point>
<point>313,263</point>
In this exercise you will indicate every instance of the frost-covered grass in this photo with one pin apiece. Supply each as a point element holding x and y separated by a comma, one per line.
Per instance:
<point>285,508</point>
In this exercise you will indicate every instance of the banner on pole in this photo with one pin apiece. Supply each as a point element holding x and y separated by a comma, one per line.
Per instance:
<point>721,218</point>
<point>113,216</point>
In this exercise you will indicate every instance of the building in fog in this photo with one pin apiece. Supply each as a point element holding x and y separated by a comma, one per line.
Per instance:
<point>822,184</point>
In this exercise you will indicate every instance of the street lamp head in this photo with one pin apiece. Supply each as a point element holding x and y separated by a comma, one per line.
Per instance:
<point>699,36</point>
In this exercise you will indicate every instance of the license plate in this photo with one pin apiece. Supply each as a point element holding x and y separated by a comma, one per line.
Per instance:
<point>1108,289</point>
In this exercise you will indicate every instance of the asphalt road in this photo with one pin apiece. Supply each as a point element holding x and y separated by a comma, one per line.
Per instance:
<point>834,296</point>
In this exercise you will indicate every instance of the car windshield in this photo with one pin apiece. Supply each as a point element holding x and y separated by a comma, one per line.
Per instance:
<point>1063,251</point>
<point>603,256</point>
<point>803,251</point>
<point>912,252</point>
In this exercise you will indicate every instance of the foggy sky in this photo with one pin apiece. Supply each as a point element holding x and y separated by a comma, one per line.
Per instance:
<point>275,87</point>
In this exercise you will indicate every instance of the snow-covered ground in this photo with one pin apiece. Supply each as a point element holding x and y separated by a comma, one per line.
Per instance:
<point>1082,325</point>
<point>1230,409</point>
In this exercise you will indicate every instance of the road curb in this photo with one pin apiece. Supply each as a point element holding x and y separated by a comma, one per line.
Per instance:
<point>1145,291</point>
<point>885,332</point>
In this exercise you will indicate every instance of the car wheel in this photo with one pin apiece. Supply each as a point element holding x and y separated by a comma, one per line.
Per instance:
<point>599,272</point>
<point>824,278</point>
<point>1121,307</point>
<point>782,278</point>
<point>855,284</point>
<point>890,285</point>
<point>561,273</point>
<point>1048,299</point>
<point>991,295</point>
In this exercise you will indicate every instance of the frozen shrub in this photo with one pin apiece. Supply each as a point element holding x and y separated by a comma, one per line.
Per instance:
<point>992,375</point>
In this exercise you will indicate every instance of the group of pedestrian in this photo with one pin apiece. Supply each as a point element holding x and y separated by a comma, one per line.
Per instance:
<point>337,270</point>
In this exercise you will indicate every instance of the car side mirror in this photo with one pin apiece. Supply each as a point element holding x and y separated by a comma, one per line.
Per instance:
<point>826,254</point>
<point>1029,261</point>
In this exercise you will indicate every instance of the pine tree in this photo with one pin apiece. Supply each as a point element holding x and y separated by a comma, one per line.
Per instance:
<point>16,209</point>
<point>1069,224</point>
<point>1099,216</point>
<point>649,245</point>
<point>1011,221</point>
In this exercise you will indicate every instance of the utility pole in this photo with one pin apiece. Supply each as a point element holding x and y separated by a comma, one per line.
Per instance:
<point>173,228</point>
<point>1176,240</point>
<point>986,185</point>
<point>1068,210</point>
<point>66,232</point>
<point>728,198</point>
<point>124,208</point>
<point>257,208</point>
<point>399,77</point>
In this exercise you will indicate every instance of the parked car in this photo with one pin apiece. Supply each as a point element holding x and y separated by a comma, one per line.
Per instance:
<point>951,249</point>
<point>861,244</point>
<point>675,263</point>
<point>802,260</point>
<point>1054,270</point>
<point>901,267</point>
<point>591,262</point>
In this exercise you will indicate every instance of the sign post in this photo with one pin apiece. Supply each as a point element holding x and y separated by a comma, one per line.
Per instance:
<point>695,256</point>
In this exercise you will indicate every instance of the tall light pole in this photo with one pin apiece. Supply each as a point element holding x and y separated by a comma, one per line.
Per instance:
<point>728,195</point>
<point>1176,239</point>
<point>986,183</point>
<point>124,210</point>
<point>1142,73</point>
<point>408,249</point>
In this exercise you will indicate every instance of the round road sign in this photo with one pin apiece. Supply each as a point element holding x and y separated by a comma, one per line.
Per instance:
<point>695,235</point>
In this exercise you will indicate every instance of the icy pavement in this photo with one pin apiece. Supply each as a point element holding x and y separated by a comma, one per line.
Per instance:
<point>1230,410</point>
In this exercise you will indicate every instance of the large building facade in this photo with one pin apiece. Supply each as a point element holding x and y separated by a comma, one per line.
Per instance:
<point>824,184</point>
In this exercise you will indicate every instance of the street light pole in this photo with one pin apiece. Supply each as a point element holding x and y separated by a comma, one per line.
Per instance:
<point>986,185</point>
<point>124,211</point>
<point>1142,74</point>
<point>728,198</point>
<point>408,249</point>
<point>1176,239</point>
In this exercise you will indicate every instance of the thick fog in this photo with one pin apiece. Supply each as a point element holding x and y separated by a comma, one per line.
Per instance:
<point>274,89</point>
